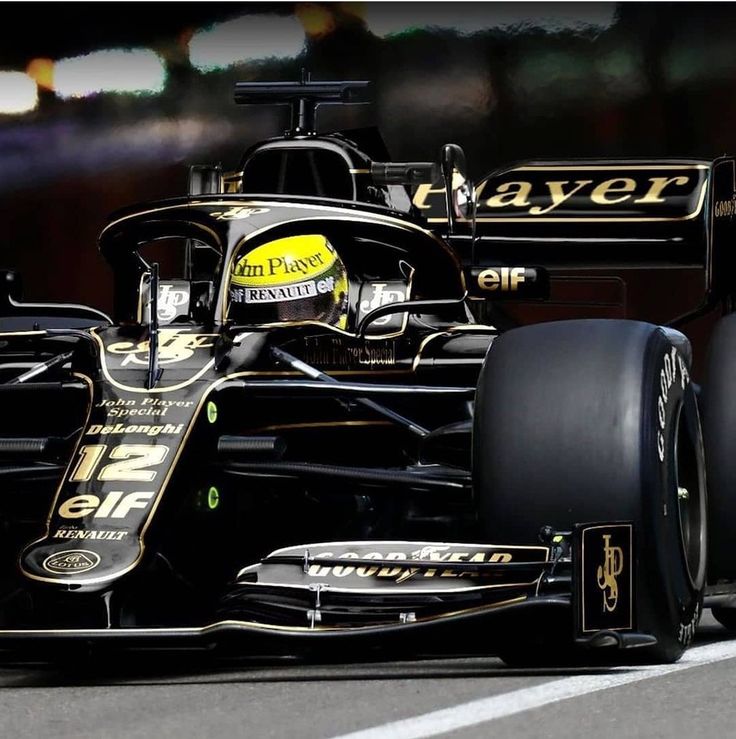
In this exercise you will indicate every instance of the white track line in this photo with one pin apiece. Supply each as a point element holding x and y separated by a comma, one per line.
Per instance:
<point>507,704</point>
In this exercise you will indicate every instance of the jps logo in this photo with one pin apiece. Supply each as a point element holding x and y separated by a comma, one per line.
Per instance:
<point>174,345</point>
<point>505,279</point>
<point>383,295</point>
<point>608,572</point>
<point>238,213</point>
<point>170,300</point>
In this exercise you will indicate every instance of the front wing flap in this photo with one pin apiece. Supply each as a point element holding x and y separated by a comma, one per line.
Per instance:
<point>400,592</point>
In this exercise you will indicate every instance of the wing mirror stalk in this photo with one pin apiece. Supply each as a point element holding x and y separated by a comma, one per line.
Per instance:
<point>460,196</point>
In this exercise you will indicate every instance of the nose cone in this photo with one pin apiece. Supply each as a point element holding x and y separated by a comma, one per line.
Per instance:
<point>68,558</point>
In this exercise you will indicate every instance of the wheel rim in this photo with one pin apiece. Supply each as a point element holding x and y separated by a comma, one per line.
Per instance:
<point>690,492</point>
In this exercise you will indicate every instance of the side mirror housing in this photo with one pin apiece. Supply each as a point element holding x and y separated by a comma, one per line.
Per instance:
<point>205,179</point>
<point>460,196</point>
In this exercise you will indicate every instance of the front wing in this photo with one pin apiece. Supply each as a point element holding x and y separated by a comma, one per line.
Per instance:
<point>425,597</point>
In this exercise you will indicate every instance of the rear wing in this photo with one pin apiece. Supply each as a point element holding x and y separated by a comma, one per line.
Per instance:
<point>599,228</point>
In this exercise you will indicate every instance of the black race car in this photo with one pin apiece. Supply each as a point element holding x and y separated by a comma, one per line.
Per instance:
<point>313,422</point>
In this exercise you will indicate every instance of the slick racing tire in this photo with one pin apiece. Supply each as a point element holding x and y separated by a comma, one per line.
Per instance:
<point>594,421</point>
<point>719,432</point>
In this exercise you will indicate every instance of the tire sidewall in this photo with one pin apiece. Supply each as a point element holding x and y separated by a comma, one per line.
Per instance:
<point>577,422</point>
<point>670,597</point>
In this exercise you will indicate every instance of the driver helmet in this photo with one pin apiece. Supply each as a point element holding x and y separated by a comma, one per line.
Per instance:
<point>291,280</point>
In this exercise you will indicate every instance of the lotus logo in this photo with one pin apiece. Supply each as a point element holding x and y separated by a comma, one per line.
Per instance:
<point>71,562</point>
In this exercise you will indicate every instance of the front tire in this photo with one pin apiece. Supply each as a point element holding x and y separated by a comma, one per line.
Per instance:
<point>594,420</point>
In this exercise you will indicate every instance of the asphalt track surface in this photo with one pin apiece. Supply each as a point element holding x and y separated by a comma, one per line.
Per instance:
<point>449,697</point>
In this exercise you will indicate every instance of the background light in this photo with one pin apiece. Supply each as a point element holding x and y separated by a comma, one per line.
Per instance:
<point>317,20</point>
<point>42,71</point>
<point>249,38</point>
<point>116,70</point>
<point>18,93</point>
<point>395,19</point>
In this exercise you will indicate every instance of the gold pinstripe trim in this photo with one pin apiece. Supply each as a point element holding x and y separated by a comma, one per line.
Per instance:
<point>183,630</point>
<point>90,387</point>
<point>159,495</point>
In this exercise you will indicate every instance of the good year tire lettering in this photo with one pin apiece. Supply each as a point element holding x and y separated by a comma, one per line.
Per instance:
<point>673,362</point>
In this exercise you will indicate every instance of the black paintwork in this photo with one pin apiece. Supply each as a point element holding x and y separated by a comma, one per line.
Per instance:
<point>158,507</point>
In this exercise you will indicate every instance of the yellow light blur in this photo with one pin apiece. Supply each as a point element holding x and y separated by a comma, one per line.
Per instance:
<point>356,9</point>
<point>42,71</point>
<point>317,20</point>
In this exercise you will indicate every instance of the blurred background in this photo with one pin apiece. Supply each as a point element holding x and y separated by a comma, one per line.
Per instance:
<point>104,104</point>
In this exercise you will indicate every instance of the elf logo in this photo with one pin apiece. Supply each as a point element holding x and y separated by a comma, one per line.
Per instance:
<point>113,505</point>
<point>506,279</point>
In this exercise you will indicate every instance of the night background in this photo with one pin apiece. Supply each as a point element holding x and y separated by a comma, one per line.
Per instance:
<point>102,105</point>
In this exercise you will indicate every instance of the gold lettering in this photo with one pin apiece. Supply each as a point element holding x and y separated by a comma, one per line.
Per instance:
<point>500,557</point>
<point>78,506</point>
<point>507,280</point>
<point>601,192</point>
<point>391,571</point>
<point>319,570</point>
<point>608,572</point>
<point>506,196</point>
<point>108,504</point>
<point>558,195</point>
<point>423,192</point>
<point>489,279</point>
<point>368,571</point>
<point>654,195</point>
<point>517,276</point>
<point>344,571</point>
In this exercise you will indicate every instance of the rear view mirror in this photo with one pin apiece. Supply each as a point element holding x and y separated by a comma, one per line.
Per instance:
<point>205,179</point>
<point>460,196</point>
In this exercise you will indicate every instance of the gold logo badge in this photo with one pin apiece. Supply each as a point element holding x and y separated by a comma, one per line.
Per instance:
<point>174,346</point>
<point>613,565</point>
<point>238,213</point>
<point>71,561</point>
<point>505,279</point>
